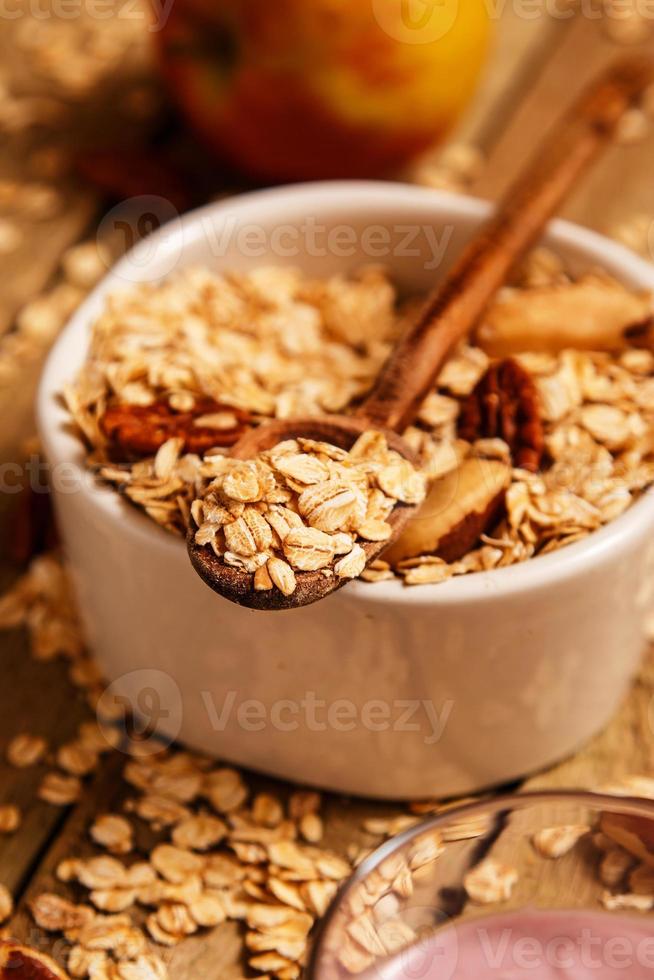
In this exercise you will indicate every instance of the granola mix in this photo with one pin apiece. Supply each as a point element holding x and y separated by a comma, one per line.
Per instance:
<point>558,388</point>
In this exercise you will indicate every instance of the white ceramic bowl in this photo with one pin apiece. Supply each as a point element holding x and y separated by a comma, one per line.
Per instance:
<point>379,690</point>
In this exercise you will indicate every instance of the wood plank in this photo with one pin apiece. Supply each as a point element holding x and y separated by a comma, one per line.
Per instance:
<point>38,699</point>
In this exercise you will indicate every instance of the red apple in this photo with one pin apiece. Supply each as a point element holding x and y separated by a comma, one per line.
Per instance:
<point>303,89</point>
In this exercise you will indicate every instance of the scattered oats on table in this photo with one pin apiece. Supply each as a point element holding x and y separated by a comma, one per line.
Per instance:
<point>10,818</point>
<point>555,842</point>
<point>490,882</point>
<point>59,789</point>
<point>26,750</point>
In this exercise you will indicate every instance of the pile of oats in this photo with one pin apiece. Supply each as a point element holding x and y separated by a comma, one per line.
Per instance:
<point>274,344</point>
<point>303,506</point>
<point>271,343</point>
<point>223,854</point>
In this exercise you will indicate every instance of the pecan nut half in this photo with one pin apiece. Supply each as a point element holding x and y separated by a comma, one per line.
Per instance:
<point>140,430</point>
<point>19,962</point>
<point>505,405</point>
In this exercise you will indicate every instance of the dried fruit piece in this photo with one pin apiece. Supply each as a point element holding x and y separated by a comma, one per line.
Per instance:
<point>22,963</point>
<point>141,430</point>
<point>459,507</point>
<point>505,405</point>
<point>594,313</point>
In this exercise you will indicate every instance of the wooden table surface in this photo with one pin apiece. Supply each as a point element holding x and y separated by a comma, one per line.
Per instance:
<point>538,65</point>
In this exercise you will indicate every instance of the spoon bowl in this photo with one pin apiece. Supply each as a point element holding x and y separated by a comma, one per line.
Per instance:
<point>236,584</point>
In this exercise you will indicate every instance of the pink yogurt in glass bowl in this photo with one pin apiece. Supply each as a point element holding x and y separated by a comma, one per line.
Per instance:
<point>546,886</point>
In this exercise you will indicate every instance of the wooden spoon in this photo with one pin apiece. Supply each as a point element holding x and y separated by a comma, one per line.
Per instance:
<point>448,316</point>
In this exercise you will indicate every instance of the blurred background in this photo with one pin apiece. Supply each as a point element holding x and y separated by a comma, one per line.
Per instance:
<point>104,101</point>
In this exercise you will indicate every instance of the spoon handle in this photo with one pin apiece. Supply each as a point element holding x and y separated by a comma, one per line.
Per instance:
<point>457,304</point>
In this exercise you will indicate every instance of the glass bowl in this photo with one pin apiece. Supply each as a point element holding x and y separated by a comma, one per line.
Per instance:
<point>539,885</point>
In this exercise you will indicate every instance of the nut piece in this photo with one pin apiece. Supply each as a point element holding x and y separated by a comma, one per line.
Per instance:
<point>459,507</point>
<point>22,963</point>
<point>594,313</point>
<point>140,430</point>
<point>505,405</point>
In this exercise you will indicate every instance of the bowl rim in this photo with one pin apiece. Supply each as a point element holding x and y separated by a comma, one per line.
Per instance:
<point>62,446</point>
<point>504,802</point>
